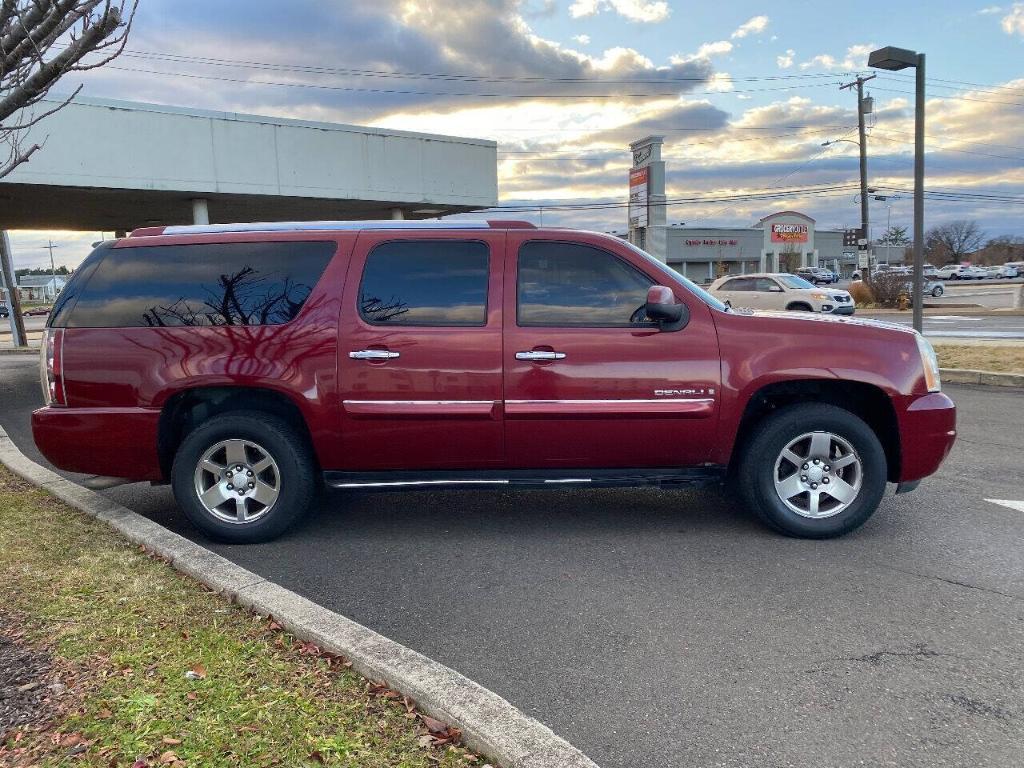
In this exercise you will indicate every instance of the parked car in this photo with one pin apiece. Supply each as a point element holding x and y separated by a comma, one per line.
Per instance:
<point>4,311</point>
<point>1018,265</point>
<point>817,275</point>
<point>952,272</point>
<point>35,312</point>
<point>932,288</point>
<point>247,364</point>
<point>974,273</point>
<point>1007,272</point>
<point>781,290</point>
<point>929,270</point>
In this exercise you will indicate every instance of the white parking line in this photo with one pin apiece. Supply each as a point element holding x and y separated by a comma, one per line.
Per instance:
<point>1017,505</point>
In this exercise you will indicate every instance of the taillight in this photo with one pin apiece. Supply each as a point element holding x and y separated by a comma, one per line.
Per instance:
<point>51,367</point>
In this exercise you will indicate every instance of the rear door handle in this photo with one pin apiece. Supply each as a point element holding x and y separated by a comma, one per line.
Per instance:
<point>537,354</point>
<point>373,354</point>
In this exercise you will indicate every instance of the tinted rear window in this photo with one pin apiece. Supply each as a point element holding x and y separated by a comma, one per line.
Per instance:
<point>200,285</point>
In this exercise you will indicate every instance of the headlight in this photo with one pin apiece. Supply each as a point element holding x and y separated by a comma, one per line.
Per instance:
<point>930,363</point>
<point>819,296</point>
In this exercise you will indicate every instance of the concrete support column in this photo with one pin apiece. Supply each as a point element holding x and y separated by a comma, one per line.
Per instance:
<point>200,210</point>
<point>397,214</point>
<point>10,286</point>
<point>1018,303</point>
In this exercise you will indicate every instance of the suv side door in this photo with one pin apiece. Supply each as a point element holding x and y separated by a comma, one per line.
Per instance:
<point>419,357</point>
<point>589,382</point>
<point>771,295</point>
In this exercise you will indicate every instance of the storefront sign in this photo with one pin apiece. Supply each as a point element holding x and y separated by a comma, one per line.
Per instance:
<point>638,187</point>
<point>712,241</point>
<point>789,233</point>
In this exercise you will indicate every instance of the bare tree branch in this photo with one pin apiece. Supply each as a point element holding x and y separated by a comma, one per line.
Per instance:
<point>40,42</point>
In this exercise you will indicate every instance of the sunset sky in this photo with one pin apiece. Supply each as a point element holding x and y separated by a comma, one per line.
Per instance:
<point>745,93</point>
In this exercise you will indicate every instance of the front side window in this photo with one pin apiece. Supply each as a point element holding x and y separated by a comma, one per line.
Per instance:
<point>766,285</point>
<point>215,284</point>
<point>570,284</point>
<point>426,282</point>
<point>792,281</point>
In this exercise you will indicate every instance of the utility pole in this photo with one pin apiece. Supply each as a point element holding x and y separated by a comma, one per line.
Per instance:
<point>863,142</point>
<point>53,269</point>
<point>10,284</point>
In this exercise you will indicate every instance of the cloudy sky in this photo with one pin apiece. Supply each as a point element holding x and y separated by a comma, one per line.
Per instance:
<point>744,92</point>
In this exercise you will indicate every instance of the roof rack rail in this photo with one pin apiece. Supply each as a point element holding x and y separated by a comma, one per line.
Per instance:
<point>329,226</point>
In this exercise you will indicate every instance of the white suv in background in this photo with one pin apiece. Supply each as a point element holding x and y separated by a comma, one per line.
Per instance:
<point>780,290</point>
<point>952,272</point>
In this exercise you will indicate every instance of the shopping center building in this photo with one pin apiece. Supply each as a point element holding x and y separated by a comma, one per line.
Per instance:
<point>782,241</point>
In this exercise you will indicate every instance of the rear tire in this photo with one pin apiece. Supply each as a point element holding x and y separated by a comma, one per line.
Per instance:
<point>801,432</point>
<point>274,488</point>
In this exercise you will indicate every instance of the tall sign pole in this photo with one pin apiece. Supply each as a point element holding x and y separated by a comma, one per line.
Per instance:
<point>11,290</point>
<point>648,218</point>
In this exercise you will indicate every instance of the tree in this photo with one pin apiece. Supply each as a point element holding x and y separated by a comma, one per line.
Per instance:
<point>40,42</point>
<point>894,236</point>
<point>951,242</point>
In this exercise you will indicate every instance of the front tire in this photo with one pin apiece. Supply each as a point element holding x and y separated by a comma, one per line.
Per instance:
<point>813,471</point>
<point>244,477</point>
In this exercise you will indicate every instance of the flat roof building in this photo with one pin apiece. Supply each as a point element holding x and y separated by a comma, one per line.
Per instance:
<point>117,165</point>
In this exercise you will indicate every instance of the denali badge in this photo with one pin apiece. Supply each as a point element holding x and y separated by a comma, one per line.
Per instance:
<point>682,392</point>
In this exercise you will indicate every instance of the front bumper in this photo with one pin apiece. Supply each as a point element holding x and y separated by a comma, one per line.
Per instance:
<point>927,433</point>
<point>117,442</point>
<point>841,309</point>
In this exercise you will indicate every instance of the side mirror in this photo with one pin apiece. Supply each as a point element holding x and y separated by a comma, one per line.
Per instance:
<point>665,309</point>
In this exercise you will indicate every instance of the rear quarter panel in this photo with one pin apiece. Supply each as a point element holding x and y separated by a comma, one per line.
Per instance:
<point>141,368</point>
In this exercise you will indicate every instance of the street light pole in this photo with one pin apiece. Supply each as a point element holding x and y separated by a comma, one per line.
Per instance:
<point>919,197</point>
<point>894,59</point>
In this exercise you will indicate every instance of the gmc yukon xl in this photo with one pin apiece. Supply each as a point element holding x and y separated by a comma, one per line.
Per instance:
<point>248,365</point>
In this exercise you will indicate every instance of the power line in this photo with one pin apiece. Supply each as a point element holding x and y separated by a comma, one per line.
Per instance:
<point>477,95</point>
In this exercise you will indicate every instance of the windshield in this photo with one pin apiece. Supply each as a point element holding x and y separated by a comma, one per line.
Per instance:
<point>665,269</point>
<point>792,281</point>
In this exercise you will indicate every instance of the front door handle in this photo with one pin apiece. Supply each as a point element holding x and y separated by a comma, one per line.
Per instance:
<point>538,354</point>
<point>373,354</point>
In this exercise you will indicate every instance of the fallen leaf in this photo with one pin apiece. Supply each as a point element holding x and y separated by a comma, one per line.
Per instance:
<point>28,687</point>
<point>198,672</point>
<point>168,757</point>
<point>104,714</point>
<point>140,763</point>
<point>191,695</point>
<point>171,741</point>
<point>426,741</point>
<point>434,725</point>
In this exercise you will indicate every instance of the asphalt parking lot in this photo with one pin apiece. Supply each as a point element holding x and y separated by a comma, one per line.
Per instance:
<point>668,628</point>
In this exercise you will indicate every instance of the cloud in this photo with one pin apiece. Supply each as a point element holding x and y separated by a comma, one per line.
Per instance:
<point>633,10</point>
<point>990,10</point>
<point>785,60</point>
<point>1013,22</point>
<point>582,39</point>
<point>752,26</point>
<point>856,58</point>
<point>704,53</point>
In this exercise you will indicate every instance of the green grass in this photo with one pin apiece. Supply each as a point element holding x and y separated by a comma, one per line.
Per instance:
<point>125,628</point>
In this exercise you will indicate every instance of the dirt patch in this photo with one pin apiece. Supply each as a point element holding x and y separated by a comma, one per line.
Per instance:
<point>26,685</point>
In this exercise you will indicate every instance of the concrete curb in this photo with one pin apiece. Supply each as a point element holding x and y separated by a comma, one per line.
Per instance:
<point>490,724</point>
<point>986,378</point>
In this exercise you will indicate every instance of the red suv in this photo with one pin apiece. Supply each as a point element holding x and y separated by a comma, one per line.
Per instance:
<point>249,364</point>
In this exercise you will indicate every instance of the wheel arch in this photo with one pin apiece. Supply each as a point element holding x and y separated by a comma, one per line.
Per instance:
<point>867,401</point>
<point>799,305</point>
<point>184,410</point>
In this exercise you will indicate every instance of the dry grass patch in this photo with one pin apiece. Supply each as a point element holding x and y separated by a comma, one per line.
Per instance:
<point>975,357</point>
<point>159,671</point>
